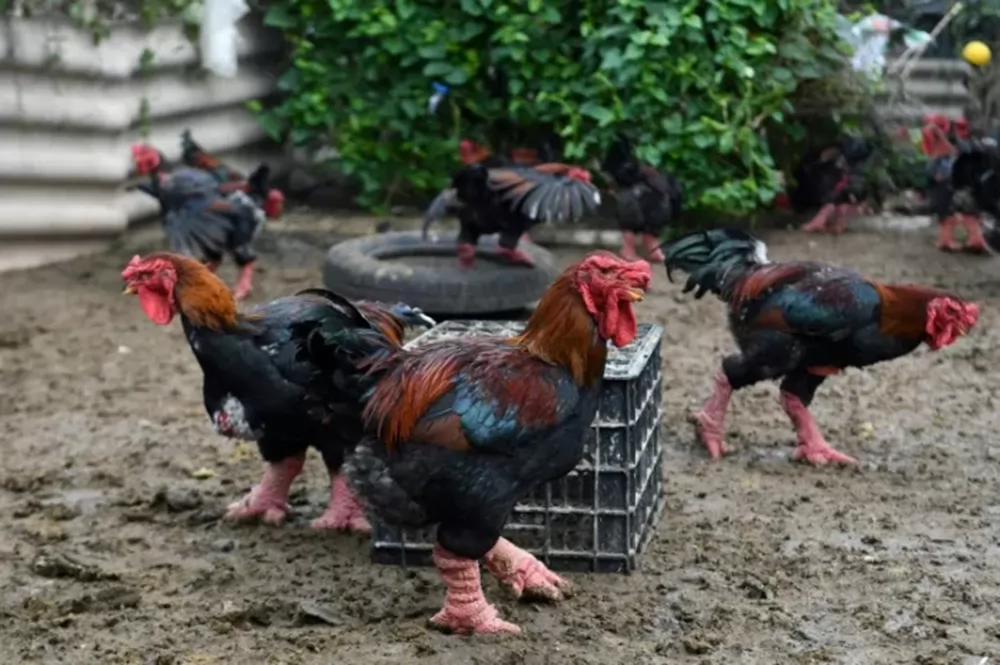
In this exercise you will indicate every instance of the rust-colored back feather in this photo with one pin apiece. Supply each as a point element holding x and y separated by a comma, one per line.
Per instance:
<point>396,407</point>
<point>764,278</point>
<point>561,331</point>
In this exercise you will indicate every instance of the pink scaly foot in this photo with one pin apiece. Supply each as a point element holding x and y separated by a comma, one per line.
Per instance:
<point>843,213</point>
<point>974,241</point>
<point>268,500</point>
<point>515,256</point>
<point>652,245</point>
<point>465,608</point>
<point>466,254</point>
<point>628,246</point>
<point>946,235</point>
<point>524,575</point>
<point>345,512</point>
<point>710,422</point>
<point>525,238</point>
<point>812,447</point>
<point>819,222</point>
<point>244,284</point>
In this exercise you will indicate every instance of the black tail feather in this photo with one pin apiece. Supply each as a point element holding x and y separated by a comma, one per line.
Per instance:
<point>713,259</point>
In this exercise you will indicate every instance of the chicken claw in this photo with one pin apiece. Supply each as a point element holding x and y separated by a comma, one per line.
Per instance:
<point>258,503</point>
<point>345,512</point>
<point>819,455</point>
<point>515,256</point>
<point>268,500</point>
<point>812,447</point>
<point>524,575</point>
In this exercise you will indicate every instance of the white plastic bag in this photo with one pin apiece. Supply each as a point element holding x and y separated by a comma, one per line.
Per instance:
<point>218,35</point>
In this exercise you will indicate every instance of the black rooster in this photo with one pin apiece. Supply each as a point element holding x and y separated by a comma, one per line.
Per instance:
<point>260,383</point>
<point>647,199</point>
<point>802,322</point>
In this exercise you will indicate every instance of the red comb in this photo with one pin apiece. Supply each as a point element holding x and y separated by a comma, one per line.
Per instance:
<point>146,158</point>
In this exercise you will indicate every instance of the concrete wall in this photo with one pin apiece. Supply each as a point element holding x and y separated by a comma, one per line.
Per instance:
<point>69,111</point>
<point>935,85</point>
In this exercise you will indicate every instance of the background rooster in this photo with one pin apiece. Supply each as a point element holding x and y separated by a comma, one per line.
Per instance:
<point>260,383</point>
<point>492,195</point>
<point>647,199</point>
<point>205,218</point>
<point>951,193</point>
<point>832,179</point>
<point>461,430</point>
<point>271,201</point>
<point>802,322</point>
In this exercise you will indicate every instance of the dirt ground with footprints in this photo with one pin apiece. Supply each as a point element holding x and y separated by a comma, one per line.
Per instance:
<point>112,551</point>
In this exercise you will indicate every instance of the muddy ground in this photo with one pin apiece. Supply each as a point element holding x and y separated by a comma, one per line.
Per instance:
<point>111,550</point>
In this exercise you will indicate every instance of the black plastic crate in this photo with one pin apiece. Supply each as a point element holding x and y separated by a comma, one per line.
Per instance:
<point>599,517</point>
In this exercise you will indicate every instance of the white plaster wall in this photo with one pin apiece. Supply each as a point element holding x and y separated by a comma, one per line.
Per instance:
<point>69,111</point>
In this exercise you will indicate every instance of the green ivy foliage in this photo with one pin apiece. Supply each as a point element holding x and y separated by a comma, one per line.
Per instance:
<point>694,82</point>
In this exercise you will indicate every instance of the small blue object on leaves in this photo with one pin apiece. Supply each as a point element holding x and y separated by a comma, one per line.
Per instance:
<point>440,91</point>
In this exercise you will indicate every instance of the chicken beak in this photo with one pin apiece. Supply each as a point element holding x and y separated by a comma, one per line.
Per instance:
<point>129,290</point>
<point>635,295</point>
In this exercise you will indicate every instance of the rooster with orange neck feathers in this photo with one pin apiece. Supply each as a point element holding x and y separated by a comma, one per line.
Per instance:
<point>260,383</point>
<point>802,322</point>
<point>460,430</point>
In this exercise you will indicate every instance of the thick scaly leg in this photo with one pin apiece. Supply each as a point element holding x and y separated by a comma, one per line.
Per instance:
<point>515,256</point>
<point>652,245</point>
<point>465,608</point>
<point>244,284</point>
<point>524,575</point>
<point>812,447</point>
<point>946,235</point>
<point>345,511</point>
<point>710,422</point>
<point>841,216</point>
<point>818,223</point>
<point>466,254</point>
<point>508,249</point>
<point>974,240</point>
<point>526,238</point>
<point>628,246</point>
<point>268,500</point>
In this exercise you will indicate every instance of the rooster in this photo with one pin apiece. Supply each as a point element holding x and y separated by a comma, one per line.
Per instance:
<point>802,322</point>
<point>832,179</point>
<point>647,199</point>
<point>271,201</point>
<point>491,195</point>
<point>259,382</point>
<point>951,191</point>
<point>206,218</point>
<point>460,430</point>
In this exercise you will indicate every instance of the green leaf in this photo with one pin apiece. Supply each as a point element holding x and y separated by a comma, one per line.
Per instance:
<point>726,143</point>
<point>436,51</point>
<point>280,16</point>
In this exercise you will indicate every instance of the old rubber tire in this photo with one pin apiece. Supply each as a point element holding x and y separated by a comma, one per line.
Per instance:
<point>374,268</point>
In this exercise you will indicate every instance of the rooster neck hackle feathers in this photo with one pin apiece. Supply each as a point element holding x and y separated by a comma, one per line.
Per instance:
<point>562,332</point>
<point>904,308</point>
<point>202,298</point>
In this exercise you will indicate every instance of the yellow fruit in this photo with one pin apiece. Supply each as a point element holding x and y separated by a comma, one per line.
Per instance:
<point>977,53</point>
